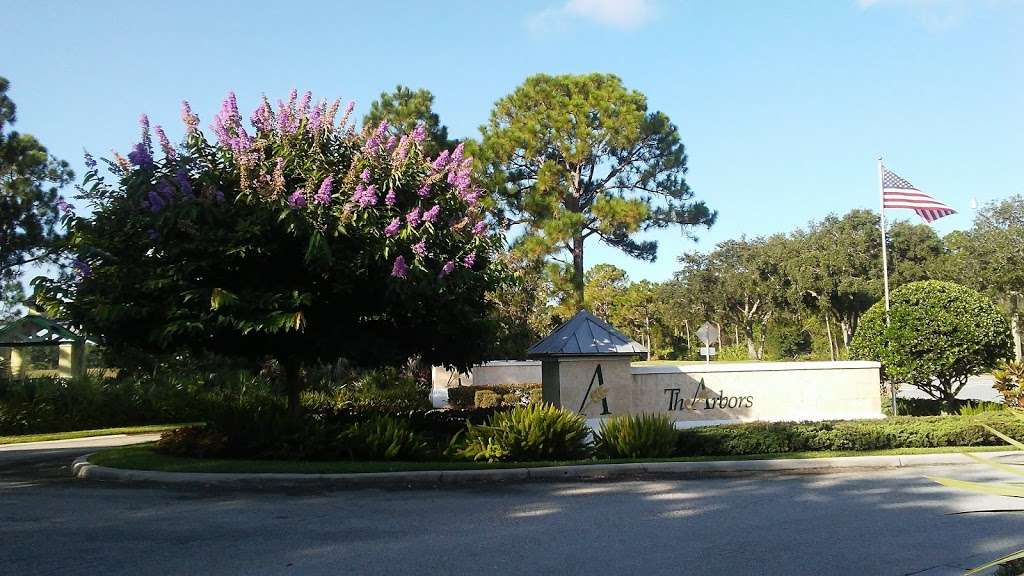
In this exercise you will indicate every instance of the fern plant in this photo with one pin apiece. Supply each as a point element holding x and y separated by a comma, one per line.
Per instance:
<point>637,436</point>
<point>530,432</point>
<point>384,437</point>
<point>1012,490</point>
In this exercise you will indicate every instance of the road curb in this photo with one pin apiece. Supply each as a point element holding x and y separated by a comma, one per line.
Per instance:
<point>83,470</point>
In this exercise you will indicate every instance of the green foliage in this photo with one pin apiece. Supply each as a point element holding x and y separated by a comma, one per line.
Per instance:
<point>932,407</point>
<point>981,408</point>
<point>486,399</point>
<point>30,179</point>
<point>507,395</point>
<point>525,433</point>
<point>1008,379</point>
<point>384,437</point>
<point>35,405</point>
<point>575,156</point>
<point>404,109</point>
<point>636,436</point>
<point>289,242</point>
<point>900,432</point>
<point>939,333</point>
<point>194,442</point>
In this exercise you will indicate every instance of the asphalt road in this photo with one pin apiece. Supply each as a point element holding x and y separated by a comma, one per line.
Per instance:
<point>875,522</point>
<point>977,388</point>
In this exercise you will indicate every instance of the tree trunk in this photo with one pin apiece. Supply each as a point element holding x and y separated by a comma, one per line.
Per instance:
<point>748,334</point>
<point>949,400</point>
<point>831,344</point>
<point>577,271</point>
<point>1015,328</point>
<point>293,384</point>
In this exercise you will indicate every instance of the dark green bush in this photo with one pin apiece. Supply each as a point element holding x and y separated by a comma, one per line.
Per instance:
<point>194,442</point>
<point>525,433</point>
<point>384,438</point>
<point>510,395</point>
<point>636,436</point>
<point>901,432</point>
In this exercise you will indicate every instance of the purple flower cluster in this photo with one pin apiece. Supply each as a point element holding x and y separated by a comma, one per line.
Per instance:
<point>424,190</point>
<point>262,118</point>
<point>297,199</point>
<point>191,120</point>
<point>165,144</point>
<point>420,248</point>
<point>469,260</point>
<point>181,179</point>
<point>277,182</point>
<point>480,228</point>
<point>447,269</point>
<point>147,140</point>
<point>393,227</point>
<point>90,162</point>
<point>365,196</point>
<point>400,269</point>
<point>420,132</point>
<point>372,144</point>
<point>365,175</point>
<point>323,196</point>
<point>441,161</point>
<point>390,198</point>
<point>431,215</point>
<point>63,205</point>
<point>140,157</point>
<point>82,268</point>
<point>345,116</point>
<point>413,217</point>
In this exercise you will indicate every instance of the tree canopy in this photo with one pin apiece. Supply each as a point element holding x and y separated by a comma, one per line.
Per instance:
<point>299,239</point>
<point>938,334</point>
<point>404,109</point>
<point>575,156</point>
<point>30,204</point>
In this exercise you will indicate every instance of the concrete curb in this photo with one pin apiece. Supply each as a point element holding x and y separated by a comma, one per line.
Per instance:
<point>82,469</point>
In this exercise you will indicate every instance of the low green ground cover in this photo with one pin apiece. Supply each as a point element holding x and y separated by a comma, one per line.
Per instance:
<point>145,457</point>
<point>95,432</point>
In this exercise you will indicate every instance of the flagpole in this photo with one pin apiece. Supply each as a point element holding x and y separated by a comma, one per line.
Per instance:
<point>885,261</point>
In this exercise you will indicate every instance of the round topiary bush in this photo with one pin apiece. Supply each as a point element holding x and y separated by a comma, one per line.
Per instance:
<point>938,334</point>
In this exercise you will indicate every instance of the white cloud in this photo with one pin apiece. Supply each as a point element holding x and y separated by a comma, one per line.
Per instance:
<point>622,14</point>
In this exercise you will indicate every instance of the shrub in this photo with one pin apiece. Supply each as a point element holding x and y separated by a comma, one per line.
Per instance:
<point>938,334</point>
<point>384,438</point>
<point>636,436</point>
<point>193,441</point>
<point>900,432</point>
<point>532,432</point>
<point>486,399</point>
<point>1009,378</point>
<point>981,408</point>
<point>465,396</point>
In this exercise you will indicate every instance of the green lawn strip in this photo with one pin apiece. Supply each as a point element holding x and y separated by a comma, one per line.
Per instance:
<point>142,457</point>
<point>85,433</point>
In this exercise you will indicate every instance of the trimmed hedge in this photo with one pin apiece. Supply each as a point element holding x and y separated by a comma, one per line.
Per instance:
<point>505,395</point>
<point>901,432</point>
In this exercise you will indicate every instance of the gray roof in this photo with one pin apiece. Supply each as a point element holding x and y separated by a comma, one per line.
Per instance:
<point>586,335</point>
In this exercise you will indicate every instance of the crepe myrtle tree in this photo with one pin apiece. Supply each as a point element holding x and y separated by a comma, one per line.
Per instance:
<point>299,239</point>
<point>938,334</point>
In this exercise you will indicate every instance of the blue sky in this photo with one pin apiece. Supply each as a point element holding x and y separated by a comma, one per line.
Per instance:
<point>783,105</point>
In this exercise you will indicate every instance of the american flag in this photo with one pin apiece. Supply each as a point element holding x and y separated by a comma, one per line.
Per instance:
<point>898,193</point>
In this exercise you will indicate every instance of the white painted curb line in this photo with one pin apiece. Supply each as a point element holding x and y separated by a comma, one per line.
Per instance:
<point>82,469</point>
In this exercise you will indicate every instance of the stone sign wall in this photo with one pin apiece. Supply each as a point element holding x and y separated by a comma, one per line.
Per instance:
<point>695,394</point>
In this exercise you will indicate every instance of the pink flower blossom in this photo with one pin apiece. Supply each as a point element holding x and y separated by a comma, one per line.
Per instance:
<point>447,269</point>
<point>399,269</point>
<point>413,217</point>
<point>165,144</point>
<point>431,215</point>
<point>393,227</point>
<point>420,132</point>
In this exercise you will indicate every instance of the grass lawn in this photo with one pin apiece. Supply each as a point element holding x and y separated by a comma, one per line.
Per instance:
<point>142,457</point>
<point>84,433</point>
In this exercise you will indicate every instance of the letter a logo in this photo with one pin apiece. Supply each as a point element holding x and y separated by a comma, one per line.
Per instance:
<point>601,393</point>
